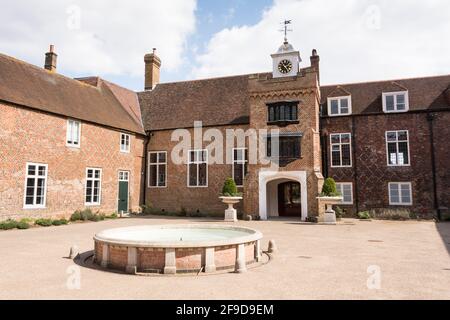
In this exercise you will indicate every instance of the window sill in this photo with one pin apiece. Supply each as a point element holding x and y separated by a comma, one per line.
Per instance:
<point>34,207</point>
<point>73,146</point>
<point>282,123</point>
<point>92,204</point>
<point>398,165</point>
<point>340,115</point>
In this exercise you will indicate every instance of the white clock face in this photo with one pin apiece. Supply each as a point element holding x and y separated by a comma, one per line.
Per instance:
<point>285,66</point>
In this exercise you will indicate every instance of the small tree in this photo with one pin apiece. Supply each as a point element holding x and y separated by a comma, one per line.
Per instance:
<point>329,188</point>
<point>229,188</point>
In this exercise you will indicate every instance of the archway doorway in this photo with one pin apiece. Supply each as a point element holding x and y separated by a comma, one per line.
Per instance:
<point>268,193</point>
<point>289,199</point>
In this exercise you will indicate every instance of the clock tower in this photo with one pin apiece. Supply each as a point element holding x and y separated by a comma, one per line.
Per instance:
<point>286,62</point>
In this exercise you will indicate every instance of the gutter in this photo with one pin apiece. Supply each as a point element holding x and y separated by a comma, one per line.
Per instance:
<point>145,173</point>
<point>430,118</point>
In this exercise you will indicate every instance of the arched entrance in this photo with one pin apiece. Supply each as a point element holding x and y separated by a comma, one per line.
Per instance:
<point>283,194</point>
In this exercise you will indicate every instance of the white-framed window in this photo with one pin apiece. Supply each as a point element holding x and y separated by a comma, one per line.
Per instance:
<point>125,142</point>
<point>124,176</point>
<point>239,165</point>
<point>346,190</point>
<point>73,136</point>
<point>35,186</point>
<point>397,147</point>
<point>157,169</point>
<point>93,186</point>
<point>400,193</point>
<point>395,101</point>
<point>198,168</point>
<point>340,106</point>
<point>341,150</point>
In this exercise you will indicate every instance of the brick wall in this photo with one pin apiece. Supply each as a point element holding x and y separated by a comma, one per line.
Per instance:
<point>32,136</point>
<point>177,194</point>
<point>370,173</point>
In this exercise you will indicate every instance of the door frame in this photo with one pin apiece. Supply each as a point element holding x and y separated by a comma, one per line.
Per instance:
<point>128,189</point>
<point>265,176</point>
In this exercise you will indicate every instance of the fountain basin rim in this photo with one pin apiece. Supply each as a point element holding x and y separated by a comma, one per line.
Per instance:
<point>251,236</point>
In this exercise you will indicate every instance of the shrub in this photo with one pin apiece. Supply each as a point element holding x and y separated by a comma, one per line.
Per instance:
<point>96,217</point>
<point>86,215</point>
<point>329,188</point>
<point>76,216</point>
<point>22,225</point>
<point>60,222</point>
<point>8,224</point>
<point>339,212</point>
<point>27,220</point>
<point>147,209</point>
<point>44,222</point>
<point>113,215</point>
<point>230,189</point>
<point>365,215</point>
<point>183,212</point>
<point>392,214</point>
<point>312,219</point>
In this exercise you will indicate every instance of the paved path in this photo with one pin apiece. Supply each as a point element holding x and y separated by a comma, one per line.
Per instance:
<point>314,262</point>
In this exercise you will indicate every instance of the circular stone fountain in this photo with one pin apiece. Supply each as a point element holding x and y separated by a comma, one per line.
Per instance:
<point>172,249</point>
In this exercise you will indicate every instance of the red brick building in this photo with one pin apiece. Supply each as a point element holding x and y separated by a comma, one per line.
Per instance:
<point>386,143</point>
<point>68,143</point>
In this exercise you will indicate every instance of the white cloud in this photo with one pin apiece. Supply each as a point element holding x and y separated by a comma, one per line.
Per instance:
<point>112,37</point>
<point>358,40</point>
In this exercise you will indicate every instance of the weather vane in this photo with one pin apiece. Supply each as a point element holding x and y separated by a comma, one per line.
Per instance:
<point>286,29</point>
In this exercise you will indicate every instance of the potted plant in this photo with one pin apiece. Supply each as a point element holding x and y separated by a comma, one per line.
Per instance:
<point>327,199</point>
<point>230,196</point>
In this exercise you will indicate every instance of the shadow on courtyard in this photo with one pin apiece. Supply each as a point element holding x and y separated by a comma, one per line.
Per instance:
<point>444,231</point>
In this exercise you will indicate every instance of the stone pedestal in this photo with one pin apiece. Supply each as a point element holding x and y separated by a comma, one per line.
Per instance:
<point>241,266</point>
<point>329,215</point>
<point>326,212</point>
<point>231,213</point>
<point>171,262</point>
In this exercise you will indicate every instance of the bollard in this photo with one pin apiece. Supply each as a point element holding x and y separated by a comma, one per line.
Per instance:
<point>272,247</point>
<point>73,252</point>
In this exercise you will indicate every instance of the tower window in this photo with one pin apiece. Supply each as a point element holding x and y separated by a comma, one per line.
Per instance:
<point>282,112</point>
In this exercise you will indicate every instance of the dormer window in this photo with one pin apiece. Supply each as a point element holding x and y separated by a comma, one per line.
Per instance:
<point>340,106</point>
<point>283,113</point>
<point>395,101</point>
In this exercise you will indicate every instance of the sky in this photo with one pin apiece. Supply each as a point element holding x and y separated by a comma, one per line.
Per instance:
<point>357,40</point>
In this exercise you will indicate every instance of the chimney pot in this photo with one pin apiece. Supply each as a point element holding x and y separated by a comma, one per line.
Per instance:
<point>50,59</point>
<point>315,63</point>
<point>152,70</point>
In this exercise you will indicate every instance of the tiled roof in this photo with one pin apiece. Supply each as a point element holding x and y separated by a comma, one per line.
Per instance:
<point>98,101</point>
<point>428,93</point>
<point>218,101</point>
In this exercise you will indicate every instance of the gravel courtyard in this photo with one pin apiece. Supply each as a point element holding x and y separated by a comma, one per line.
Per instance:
<point>314,262</point>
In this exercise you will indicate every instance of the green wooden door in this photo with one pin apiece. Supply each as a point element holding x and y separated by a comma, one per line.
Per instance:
<point>123,191</point>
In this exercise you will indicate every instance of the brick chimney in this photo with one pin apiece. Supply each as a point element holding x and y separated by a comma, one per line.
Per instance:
<point>152,70</point>
<point>50,59</point>
<point>315,59</point>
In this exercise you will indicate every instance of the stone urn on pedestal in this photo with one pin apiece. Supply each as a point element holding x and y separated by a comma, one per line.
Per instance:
<point>231,212</point>
<point>230,196</point>
<point>327,199</point>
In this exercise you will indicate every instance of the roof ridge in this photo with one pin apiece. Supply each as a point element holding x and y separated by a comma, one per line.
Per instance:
<point>43,70</point>
<point>387,80</point>
<point>208,79</point>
